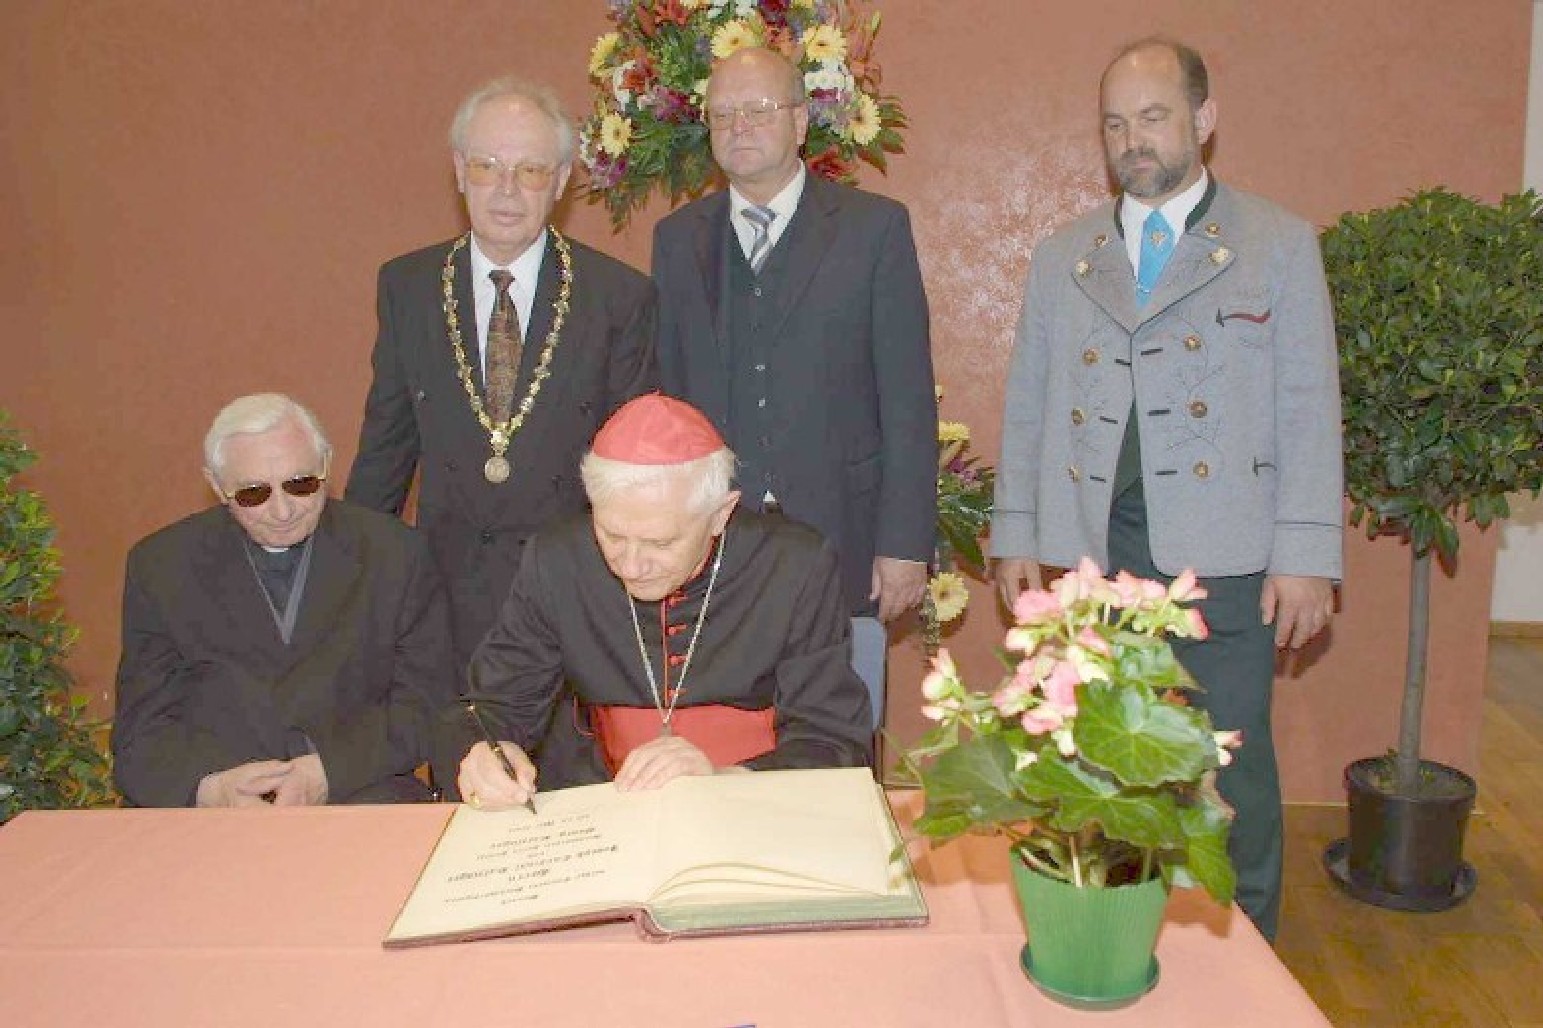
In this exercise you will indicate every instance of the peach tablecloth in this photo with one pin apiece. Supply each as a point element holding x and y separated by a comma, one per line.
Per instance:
<point>274,918</point>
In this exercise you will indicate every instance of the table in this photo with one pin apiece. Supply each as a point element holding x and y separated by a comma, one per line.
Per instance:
<point>273,917</point>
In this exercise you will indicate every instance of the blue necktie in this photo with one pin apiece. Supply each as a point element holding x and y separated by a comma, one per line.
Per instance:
<point>760,219</point>
<point>1157,242</point>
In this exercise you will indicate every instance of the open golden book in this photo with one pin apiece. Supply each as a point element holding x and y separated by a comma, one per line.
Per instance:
<point>769,851</point>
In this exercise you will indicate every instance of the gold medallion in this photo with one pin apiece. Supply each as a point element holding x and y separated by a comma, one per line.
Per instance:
<point>496,470</point>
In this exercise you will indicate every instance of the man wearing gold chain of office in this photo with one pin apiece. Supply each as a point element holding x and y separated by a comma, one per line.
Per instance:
<point>499,355</point>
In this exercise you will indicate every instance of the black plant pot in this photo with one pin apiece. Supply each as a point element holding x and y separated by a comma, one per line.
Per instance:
<point>1405,852</point>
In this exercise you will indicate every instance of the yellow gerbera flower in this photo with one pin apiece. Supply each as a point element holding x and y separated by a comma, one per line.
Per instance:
<point>600,56</point>
<point>949,595</point>
<point>825,43</point>
<point>864,123</point>
<point>953,432</point>
<point>734,36</point>
<point>615,134</point>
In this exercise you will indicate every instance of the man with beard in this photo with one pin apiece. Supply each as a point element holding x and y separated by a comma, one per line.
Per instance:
<point>1173,403</point>
<point>499,355</point>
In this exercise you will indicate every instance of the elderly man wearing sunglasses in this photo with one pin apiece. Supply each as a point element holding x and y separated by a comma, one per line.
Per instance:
<point>278,647</point>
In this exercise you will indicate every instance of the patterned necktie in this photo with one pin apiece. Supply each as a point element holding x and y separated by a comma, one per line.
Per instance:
<point>760,219</point>
<point>504,347</point>
<point>1157,242</point>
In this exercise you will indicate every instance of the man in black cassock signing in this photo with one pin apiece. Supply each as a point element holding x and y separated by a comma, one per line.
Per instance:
<point>702,638</point>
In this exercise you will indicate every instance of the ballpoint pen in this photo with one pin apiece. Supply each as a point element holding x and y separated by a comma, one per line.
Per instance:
<point>503,758</point>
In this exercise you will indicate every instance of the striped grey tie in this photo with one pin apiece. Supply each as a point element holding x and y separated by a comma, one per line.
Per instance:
<point>760,219</point>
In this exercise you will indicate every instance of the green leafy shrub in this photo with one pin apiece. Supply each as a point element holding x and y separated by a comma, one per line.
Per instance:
<point>48,756</point>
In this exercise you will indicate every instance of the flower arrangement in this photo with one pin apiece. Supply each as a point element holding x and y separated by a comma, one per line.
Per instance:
<point>964,511</point>
<point>650,75</point>
<point>1086,755</point>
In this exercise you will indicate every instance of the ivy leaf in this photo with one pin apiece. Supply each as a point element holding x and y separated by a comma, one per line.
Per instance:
<point>1138,738</point>
<point>977,779</point>
<point>1081,796</point>
<point>1206,825</point>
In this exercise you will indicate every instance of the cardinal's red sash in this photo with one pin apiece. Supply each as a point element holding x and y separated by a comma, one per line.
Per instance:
<point>728,735</point>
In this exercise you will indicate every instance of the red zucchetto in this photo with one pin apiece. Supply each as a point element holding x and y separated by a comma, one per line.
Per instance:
<point>656,429</point>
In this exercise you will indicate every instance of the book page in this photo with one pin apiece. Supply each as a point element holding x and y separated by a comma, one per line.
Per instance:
<point>586,849</point>
<point>707,854</point>
<point>774,832</point>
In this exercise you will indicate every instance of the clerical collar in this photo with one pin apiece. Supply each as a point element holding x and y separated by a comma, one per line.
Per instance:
<point>281,576</point>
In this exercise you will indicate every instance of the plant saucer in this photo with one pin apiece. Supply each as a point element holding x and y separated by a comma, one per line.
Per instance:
<point>1077,1002</point>
<point>1336,861</point>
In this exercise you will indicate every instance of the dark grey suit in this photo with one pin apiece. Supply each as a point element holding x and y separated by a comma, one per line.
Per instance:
<point>205,681</point>
<point>849,389</point>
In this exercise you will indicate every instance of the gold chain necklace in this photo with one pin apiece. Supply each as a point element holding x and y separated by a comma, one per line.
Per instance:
<point>500,435</point>
<point>667,713</point>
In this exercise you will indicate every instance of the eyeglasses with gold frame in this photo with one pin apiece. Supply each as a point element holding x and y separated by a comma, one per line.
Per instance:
<point>486,170</point>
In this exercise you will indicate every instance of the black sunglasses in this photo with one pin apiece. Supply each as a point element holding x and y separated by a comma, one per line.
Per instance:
<point>257,495</point>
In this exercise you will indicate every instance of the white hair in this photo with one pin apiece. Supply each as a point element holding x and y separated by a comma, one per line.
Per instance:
<point>712,477</point>
<point>511,88</point>
<point>251,415</point>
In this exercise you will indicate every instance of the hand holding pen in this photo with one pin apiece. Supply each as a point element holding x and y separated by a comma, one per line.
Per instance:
<point>500,791</point>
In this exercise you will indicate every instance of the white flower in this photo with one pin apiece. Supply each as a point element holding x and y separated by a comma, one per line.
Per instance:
<point>830,75</point>
<point>618,73</point>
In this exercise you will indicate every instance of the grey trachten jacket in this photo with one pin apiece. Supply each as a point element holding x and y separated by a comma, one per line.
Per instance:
<point>1236,385</point>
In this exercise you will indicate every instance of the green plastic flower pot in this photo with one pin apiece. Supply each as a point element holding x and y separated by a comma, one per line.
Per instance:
<point>1090,948</point>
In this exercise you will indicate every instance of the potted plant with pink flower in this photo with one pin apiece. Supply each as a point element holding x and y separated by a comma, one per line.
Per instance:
<point>1089,758</point>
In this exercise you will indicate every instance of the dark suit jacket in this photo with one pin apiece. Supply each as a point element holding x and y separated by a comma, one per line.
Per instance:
<point>851,386</point>
<point>418,416</point>
<point>205,682</point>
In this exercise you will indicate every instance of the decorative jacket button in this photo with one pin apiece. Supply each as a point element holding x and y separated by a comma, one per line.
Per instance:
<point>1078,417</point>
<point>1074,473</point>
<point>1083,267</point>
<point>486,537</point>
<point>1090,356</point>
<point>1192,343</point>
<point>1202,469</point>
<point>1198,409</point>
<point>1221,255</point>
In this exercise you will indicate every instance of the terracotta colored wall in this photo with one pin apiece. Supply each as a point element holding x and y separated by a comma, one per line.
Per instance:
<point>196,198</point>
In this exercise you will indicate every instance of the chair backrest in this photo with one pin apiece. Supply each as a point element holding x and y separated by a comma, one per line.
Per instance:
<point>870,651</point>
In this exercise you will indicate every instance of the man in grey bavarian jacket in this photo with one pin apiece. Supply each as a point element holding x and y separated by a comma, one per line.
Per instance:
<point>1173,403</point>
